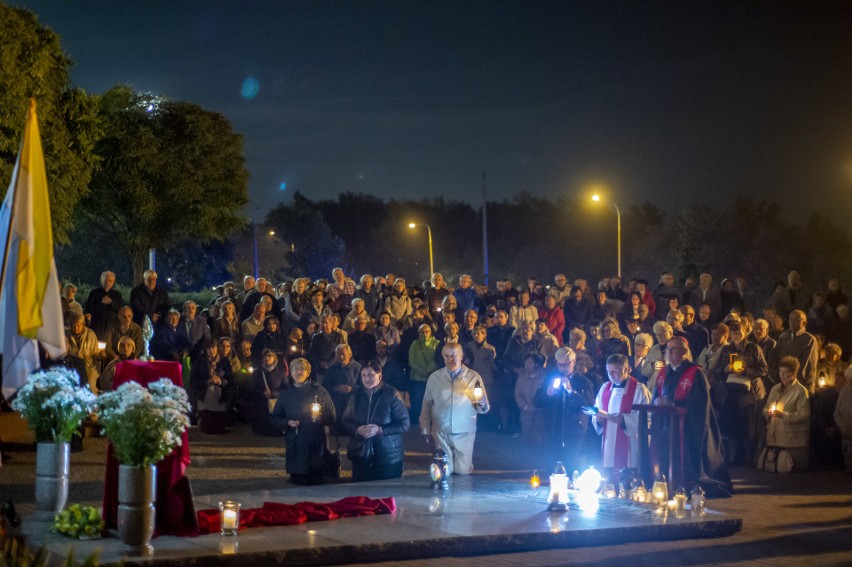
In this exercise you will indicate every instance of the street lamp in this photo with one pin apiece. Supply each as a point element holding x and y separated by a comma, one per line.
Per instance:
<point>596,198</point>
<point>429,233</point>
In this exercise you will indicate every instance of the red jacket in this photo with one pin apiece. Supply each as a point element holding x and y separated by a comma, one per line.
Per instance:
<point>555,320</point>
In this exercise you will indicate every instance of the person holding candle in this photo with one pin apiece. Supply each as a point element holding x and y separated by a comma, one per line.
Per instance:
<point>788,411</point>
<point>737,384</point>
<point>303,413</point>
<point>449,410</point>
<point>562,396</point>
<point>375,417</point>
<point>613,416</point>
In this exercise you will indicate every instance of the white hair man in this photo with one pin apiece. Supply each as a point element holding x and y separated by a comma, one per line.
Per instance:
<point>450,407</point>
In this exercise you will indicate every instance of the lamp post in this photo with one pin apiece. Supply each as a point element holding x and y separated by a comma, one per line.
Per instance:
<point>596,198</point>
<point>429,233</point>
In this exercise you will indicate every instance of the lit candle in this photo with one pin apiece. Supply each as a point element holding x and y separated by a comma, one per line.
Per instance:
<point>101,346</point>
<point>556,383</point>
<point>535,480</point>
<point>251,369</point>
<point>737,366</point>
<point>315,409</point>
<point>229,519</point>
<point>773,408</point>
<point>821,382</point>
<point>294,348</point>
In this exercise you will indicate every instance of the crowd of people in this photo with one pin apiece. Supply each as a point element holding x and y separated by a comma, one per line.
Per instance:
<point>559,365</point>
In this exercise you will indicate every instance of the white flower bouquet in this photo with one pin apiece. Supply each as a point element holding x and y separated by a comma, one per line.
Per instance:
<point>53,403</point>
<point>144,425</point>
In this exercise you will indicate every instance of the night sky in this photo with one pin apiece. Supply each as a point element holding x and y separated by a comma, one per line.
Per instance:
<point>672,102</point>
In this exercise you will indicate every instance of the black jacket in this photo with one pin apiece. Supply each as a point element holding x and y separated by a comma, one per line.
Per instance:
<point>143,301</point>
<point>564,417</point>
<point>385,409</point>
<point>304,444</point>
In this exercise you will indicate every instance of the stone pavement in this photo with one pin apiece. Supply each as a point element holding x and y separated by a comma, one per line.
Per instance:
<point>802,519</point>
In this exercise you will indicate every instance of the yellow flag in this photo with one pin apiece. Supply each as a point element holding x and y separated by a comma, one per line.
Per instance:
<point>32,226</point>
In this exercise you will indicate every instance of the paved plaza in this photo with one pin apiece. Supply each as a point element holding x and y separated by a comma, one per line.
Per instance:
<point>803,519</point>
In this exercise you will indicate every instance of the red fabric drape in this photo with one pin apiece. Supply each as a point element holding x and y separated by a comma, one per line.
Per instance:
<point>277,514</point>
<point>175,508</point>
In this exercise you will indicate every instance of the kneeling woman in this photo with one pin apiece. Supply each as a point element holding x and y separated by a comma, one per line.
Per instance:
<point>376,418</point>
<point>303,425</point>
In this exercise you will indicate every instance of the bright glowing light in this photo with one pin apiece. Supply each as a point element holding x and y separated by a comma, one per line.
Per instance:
<point>588,503</point>
<point>596,197</point>
<point>282,186</point>
<point>411,225</point>
<point>271,233</point>
<point>250,88</point>
<point>589,482</point>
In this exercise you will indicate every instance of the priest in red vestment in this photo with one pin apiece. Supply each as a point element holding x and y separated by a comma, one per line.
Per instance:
<point>683,384</point>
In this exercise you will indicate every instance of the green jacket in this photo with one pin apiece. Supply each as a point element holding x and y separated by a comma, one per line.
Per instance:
<point>421,358</point>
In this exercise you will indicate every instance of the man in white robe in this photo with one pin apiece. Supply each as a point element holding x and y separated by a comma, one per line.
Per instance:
<point>613,416</point>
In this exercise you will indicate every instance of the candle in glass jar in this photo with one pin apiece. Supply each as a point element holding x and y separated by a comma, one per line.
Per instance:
<point>315,409</point>
<point>773,408</point>
<point>737,366</point>
<point>477,394</point>
<point>229,519</point>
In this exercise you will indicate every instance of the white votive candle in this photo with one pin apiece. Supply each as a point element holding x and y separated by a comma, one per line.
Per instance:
<point>229,519</point>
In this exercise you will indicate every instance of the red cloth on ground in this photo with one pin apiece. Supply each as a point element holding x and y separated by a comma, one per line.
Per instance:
<point>277,514</point>
<point>175,508</point>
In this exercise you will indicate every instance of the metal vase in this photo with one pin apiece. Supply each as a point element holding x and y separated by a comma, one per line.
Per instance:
<point>51,485</point>
<point>137,489</point>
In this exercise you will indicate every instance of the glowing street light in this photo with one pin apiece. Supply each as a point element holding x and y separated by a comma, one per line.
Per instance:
<point>429,233</point>
<point>597,199</point>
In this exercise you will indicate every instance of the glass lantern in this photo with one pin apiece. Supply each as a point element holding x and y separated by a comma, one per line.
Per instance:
<point>229,517</point>
<point>660,491</point>
<point>557,500</point>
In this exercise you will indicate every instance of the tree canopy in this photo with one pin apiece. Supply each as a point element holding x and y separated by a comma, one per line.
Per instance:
<point>33,65</point>
<point>169,171</point>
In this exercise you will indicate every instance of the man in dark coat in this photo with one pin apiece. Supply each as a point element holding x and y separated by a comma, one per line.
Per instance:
<point>102,306</point>
<point>683,384</point>
<point>321,353</point>
<point>168,343</point>
<point>563,395</point>
<point>148,299</point>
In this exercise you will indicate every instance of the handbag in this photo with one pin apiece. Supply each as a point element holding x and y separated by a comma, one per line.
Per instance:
<point>331,460</point>
<point>331,463</point>
<point>775,459</point>
<point>360,450</point>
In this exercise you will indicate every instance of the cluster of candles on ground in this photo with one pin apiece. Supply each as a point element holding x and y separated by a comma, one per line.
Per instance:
<point>626,487</point>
